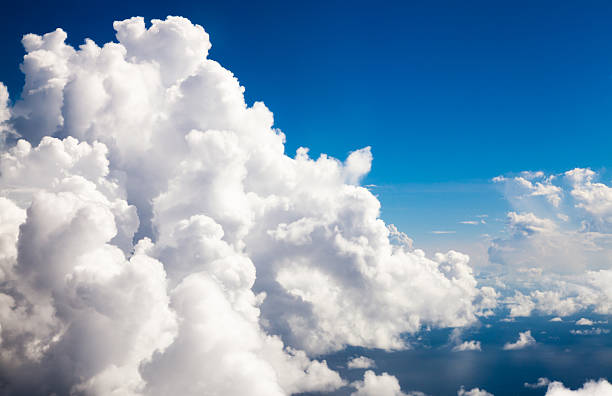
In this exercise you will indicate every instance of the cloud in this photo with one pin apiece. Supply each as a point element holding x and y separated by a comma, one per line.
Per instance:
<point>6,132</point>
<point>520,305</point>
<point>361,362</point>
<point>471,222</point>
<point>526,185</point>
<point>593,331</point>
<point>590,388</point>
<point>66,284</point>
<point>442,232</point>
<point>584,322</point>
<point>542,382</point>
<point>556,319</point>
<point>467,346</point>
<point>558,246</point>
<point>473,392</point>
<point>460,345</point>
<point>149,207</point>
<point>575,234</point>
<point>380,385</point>
<point>525,339</point>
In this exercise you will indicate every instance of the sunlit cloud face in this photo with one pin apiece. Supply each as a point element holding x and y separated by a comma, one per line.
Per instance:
<point>157,240</point>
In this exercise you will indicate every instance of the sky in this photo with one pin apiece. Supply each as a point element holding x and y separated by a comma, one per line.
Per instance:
<point>367,194</point>
<point>447,93</point>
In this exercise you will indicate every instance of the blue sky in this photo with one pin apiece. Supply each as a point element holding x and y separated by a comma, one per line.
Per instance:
<point>448,94</point>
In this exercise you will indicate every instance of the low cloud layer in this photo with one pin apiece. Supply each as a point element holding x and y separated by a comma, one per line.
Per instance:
<point>558,247</point>
<point>155,239</point>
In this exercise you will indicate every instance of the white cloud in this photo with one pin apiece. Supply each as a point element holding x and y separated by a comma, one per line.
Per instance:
<point>557,252</point>
<point>380,385</point>
<point>473,392</point>
<point>467,346</point>
<point>584,322</point>
<point>527,185</point>
<point>590,388</point>
<point>542,382</point>
<point>361,362</point>
<point>594,198</point>
<point>460,345</point>
<point>5,115</point>
<point>254,260</point>
<point>556,319</point>
<point>593,331</point>
<point>525,339</point>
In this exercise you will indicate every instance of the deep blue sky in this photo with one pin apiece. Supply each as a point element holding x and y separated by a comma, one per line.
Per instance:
<point>447,93</point>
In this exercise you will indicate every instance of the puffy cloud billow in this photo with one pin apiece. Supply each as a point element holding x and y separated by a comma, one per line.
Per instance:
<point>155,239</point>
<point>590,388</point>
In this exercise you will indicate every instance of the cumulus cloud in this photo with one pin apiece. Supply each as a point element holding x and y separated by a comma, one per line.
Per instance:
<point>473,392</point>
<point>467,346</point>
<point>460,345</point>
<point>361,362</point>
<point>380,385</point>
<point>590,388</point>
<point>525,339</point>
<point>153,224</point>
<point>584,322</point>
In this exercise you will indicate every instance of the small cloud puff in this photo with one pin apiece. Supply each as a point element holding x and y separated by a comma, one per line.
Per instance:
<point>380,385</point>
<point>361,362</point>
<point>467,346</point>
<point>473,392</point>
<point>584,322</point>
<point>525,339</point>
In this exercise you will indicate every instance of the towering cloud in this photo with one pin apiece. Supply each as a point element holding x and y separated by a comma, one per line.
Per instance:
<point>155,238</point>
